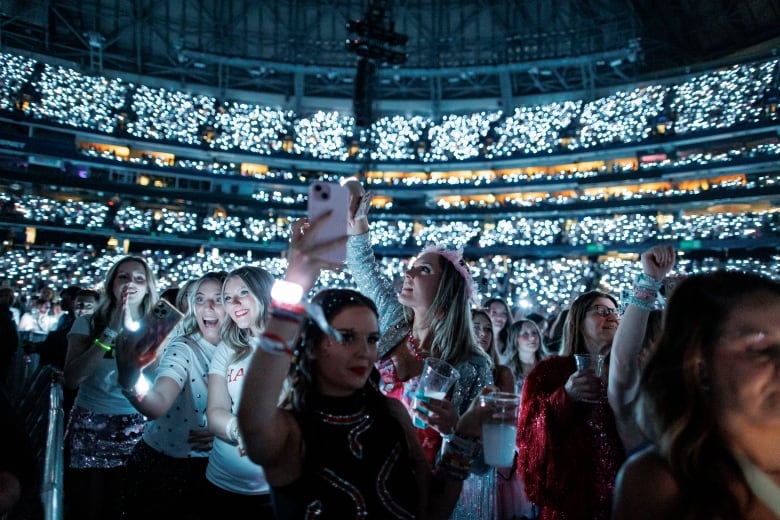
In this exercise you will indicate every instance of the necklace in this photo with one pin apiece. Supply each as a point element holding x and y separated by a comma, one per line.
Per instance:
<point>413,344</point>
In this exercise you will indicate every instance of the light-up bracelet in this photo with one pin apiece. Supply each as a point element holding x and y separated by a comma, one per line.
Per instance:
<point>286,301</point>
<point>137,391</point>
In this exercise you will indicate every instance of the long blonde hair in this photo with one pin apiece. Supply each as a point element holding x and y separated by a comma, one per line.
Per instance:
<point>108,302</point>
<point>451,336</point>
<point>259,282</point>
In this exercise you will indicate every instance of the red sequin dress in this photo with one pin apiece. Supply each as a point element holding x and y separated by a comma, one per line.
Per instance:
<point>570,452</point>
<point>391,386</point>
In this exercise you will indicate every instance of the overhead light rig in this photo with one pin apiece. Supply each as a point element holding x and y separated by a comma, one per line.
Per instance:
<point>375,36</point>
<point>373,41</point>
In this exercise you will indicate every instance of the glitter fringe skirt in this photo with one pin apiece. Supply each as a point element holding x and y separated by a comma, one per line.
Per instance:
<point>101,441</point>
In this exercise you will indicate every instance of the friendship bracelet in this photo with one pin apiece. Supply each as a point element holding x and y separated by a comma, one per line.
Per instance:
<point>102,345</point>
<point>274,344</point>
<point>644,292</point>
<point>457,453</point>
<point>110,334</point>
<point>648,281</point>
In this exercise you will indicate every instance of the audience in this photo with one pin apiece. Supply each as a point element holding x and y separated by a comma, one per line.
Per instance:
<point>501,316</point>
<point>430,316</point>
<point>483,328</point>
<point>86,300</point>
<point>234,478</point>
<point>695,408</point>
<point>708,403</point>
<point>525,348</point>
<point>307,444</point>
<point>634,340</point>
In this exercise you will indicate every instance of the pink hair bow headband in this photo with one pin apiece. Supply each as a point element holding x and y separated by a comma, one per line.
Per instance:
<point>455,257</point>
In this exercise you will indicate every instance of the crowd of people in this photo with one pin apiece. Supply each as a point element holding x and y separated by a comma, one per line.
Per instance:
<point>284,394</point>
<point>717,99</point>
<point>512,231</point>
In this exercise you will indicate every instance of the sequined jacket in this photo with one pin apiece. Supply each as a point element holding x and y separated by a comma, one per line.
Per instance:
<point>569,452</point>
<point>475,372</point>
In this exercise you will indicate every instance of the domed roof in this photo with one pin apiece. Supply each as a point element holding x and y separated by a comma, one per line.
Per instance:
<point>455,49</point>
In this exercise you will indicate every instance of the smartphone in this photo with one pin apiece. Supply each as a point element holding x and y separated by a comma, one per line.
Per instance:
<point>324,197</point>
<point>155,328</point>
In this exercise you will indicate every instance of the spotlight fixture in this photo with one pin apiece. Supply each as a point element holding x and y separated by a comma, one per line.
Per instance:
<point>375,35</point>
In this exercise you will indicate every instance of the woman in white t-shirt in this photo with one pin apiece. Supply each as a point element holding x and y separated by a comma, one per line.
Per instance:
<point>238,482</point>
<point>103,427</point>
<point>166,473</point>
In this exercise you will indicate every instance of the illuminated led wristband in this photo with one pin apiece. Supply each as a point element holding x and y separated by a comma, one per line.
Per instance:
<point>288,296</point>
<point>133,393</point>
<point>287,303</point>
<point>102,345</point>
<point>274,344</point>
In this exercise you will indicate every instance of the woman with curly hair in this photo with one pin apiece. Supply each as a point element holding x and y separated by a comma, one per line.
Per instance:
<point>709,400</point>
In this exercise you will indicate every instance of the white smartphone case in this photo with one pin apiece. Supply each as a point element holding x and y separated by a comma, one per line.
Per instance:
<point>324,197</point>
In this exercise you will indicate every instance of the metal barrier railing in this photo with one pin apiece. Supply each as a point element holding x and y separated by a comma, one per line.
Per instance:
<point>40,408</point>
<point>52,481</point>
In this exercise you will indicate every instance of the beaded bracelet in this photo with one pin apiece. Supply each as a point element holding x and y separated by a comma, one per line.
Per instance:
<point>274,344</point>
<point>644,292</point>
<point>456,456</point>
<point>110,334</point>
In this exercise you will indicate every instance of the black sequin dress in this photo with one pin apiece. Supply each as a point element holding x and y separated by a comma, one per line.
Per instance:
<point>356,463</point>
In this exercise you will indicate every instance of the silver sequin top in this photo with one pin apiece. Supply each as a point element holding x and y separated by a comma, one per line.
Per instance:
<point>475,372</point>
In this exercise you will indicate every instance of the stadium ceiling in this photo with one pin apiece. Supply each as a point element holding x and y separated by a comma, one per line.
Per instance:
<point>457,49</point>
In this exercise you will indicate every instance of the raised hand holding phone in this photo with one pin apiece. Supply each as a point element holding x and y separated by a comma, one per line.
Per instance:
<point>329,201</point>
<point>138,345</point>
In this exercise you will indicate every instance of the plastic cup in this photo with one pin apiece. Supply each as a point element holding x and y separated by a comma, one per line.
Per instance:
<point>499,427</point>
<point>436,379</point>
<point>585,361</point>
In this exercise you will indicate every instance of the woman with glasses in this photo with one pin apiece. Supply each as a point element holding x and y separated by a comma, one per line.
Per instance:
<point>569,447</point>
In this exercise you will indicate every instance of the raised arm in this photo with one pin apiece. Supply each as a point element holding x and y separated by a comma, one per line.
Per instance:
<point>624,366</point>
<point>362,264</point>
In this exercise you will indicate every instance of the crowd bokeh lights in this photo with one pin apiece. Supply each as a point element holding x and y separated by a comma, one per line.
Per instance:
<point>177,120</point>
